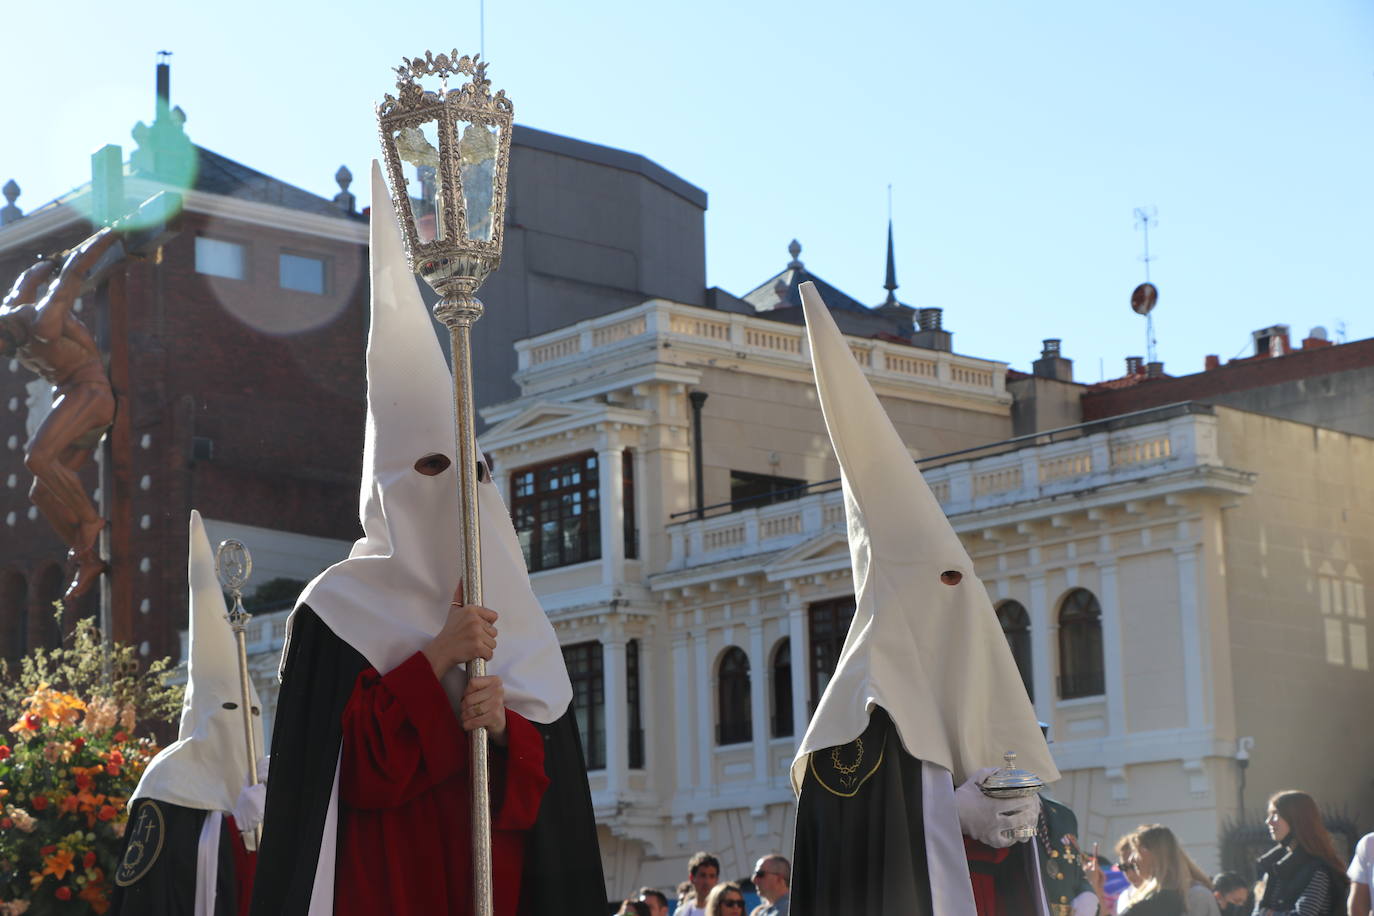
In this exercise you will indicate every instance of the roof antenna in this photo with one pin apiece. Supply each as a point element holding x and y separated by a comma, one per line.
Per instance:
<point>1146,296</point>
<point>482,28</point>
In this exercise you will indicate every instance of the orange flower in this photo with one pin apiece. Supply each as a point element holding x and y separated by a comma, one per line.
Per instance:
<point>59,863</point>
<point>83,780</point>
<point>39,802</point>
<point>108,812</point>
<point>94,895</point>
<point>68,805</point>
<point>63,893</point>
<point>53,706</point>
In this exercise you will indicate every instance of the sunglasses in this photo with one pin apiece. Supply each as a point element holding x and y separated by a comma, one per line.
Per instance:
<point>733,902</point>
<point>1125,866</point>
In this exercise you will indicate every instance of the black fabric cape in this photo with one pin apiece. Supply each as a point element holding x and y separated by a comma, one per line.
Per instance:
<point>860,842</point>
<point>562,868</point>
<point>157,871</point>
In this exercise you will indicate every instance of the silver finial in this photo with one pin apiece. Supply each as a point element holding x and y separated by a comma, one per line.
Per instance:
<point>794,250</point>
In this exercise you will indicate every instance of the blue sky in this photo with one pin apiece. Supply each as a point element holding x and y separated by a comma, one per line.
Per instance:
<point>1018,138</point>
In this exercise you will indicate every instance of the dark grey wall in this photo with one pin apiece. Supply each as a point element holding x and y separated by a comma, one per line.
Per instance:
<point>1339,400</point>
<point>590,230</point>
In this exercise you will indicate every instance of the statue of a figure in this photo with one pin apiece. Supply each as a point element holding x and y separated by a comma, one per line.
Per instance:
<point>46,338</point>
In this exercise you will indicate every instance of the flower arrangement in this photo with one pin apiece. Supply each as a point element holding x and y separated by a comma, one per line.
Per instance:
<point>67,768</point>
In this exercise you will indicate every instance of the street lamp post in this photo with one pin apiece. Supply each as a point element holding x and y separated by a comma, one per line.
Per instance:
<point>447,152</point>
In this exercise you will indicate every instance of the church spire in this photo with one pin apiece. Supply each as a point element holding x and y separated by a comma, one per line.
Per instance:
<point>891,284</point>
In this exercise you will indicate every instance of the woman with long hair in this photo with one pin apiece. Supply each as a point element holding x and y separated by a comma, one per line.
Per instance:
<point>1302,875</point>
<point>726,899</point>
<point>1171,884</point>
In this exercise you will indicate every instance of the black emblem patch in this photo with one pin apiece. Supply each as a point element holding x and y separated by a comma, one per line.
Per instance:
<point>147,829</point>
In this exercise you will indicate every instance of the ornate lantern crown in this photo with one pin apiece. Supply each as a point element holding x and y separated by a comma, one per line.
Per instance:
<point>447,153</point>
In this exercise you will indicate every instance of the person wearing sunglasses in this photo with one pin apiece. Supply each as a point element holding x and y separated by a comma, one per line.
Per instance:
<point>772,878</point>
<point>726,899</point>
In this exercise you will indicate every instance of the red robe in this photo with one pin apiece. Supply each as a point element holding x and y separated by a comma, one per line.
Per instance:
<point>405,844</point>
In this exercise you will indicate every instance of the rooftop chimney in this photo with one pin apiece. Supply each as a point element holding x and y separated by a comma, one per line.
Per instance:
<point>1271,341</point>
<point>929,332</point>
<point>1316,338</point>
<point>1154,370</point>
<point>1212,362</point>
<point>1135,365</point>
<point>1051,364</point>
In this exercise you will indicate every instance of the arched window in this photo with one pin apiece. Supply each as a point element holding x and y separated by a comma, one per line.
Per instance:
<point>1016,628</point>
<point>734,722</point>
<point>1080,646</point>
<point>14,614</point>
<point>782,689</point>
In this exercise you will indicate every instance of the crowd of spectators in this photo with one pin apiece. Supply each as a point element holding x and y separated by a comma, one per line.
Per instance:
<point>1301,875</point>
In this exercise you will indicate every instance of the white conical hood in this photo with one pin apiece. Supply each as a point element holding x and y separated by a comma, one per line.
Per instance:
<point>207,766</point>
<point>391,595</point>
<point>932,655</point>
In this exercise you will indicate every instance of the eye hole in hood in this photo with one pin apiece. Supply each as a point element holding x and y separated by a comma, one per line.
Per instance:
<point>433,465</point>
<point>951,577</point>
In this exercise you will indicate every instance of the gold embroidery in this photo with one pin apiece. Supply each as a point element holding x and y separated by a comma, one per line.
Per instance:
<point>849,781</point>
<point>848,770</point>
<point>146,834</point>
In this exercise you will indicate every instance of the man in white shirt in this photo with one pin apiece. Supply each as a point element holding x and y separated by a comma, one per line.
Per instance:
<point>1360,872</point>
<point>703,870</point>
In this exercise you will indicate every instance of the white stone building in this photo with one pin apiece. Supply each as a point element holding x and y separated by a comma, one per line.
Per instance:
<point>1171,581</point>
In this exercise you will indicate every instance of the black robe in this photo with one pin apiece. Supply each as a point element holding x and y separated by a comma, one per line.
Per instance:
<point>860,842</point>
<point>562,866</point>
<point>157,866</point>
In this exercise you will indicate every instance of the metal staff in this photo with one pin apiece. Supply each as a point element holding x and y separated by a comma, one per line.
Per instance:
<point>233,565</point>
<point>458,143</point>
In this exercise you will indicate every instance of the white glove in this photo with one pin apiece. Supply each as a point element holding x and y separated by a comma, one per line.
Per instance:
<point>992,820</point>
<point>1085,904</point>
<point>249,808</point>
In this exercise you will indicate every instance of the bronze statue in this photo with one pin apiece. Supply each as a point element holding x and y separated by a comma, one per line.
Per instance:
<point>48,339</point>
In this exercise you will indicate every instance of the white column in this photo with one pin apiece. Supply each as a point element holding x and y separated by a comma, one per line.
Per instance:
<point>613,683</point>
<point>1193,646</point>
<point>1042,652</point>
<point>801,653</point>
<point>706,716</point>
<point>1113,659</point>
<point>758,693</point>
<point>610,485</point>
<point>681,701</point>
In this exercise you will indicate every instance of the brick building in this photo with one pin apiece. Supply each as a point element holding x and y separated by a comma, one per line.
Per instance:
<point>244,394</point>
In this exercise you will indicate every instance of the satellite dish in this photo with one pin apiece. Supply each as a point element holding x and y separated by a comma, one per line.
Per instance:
<point>1317,333</point>
<point>1144,298</point>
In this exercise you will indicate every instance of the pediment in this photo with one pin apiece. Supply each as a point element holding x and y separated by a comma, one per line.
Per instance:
<point>541,418</point>
<point>825,552</point>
